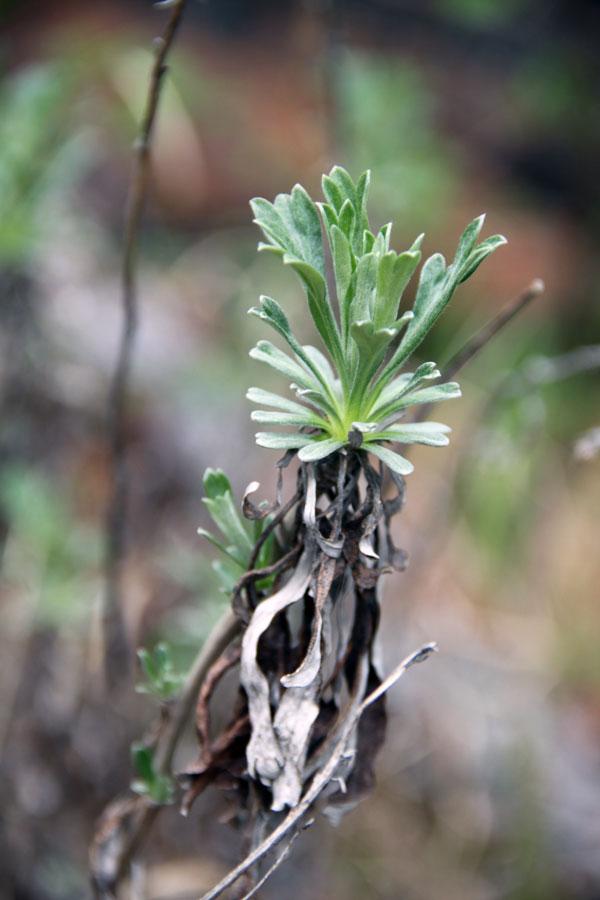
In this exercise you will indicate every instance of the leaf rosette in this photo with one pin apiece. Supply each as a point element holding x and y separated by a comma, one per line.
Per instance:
<point>355,395</point>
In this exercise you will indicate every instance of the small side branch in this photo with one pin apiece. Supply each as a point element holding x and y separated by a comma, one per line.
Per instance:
<point>116,651</point>
<point>491,329</point>
<point>479,340</point>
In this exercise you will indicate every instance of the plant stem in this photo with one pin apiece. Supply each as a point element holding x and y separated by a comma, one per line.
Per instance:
<point>116,650</point>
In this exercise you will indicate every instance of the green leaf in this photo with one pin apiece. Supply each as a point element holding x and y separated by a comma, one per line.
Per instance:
<point>394,273</point>
<point>274,417</point>
<point>328,214</point>
<point>401,386</point>
<point>142,761</point>
<point>393,461</point>
<point>368,241</point>
<point>272,313</point>
<point>435,394</point>
<point>216,483</point>
<point>319,449</point>
<point>372,344</point>
<point>468,240</point>
<point>224,513</point>
<point>366,285</point>
<point>147,664</point>
<point>431,433</point>
<point>232,552</point>
<point>275,441</point>
<point>343,271</point>
<point>316,399</point>
<point>257,395</point>
<point>333,193</point>
<point>482,252</point>
<point>321,312</point>
<point>347,218</point>
<point>266,352</point>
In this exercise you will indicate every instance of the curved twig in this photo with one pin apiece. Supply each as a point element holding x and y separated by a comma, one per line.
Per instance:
<point>116,650</point>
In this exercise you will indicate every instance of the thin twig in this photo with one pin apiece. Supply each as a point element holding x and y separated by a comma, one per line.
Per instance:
<point>479,340</point>
<point>116,650</point>
<point>491,328</point>
<point>322,778</point>
<point>281,858</point>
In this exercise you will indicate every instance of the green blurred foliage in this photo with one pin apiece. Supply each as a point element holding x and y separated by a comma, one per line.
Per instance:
<point>49,551</point>
<point>386,117</point>
<point>39,155</point>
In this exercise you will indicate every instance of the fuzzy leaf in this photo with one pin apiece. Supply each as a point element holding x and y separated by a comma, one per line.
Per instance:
<point>319,449</point>
<point>274,417</point>
<point>224,513</point>
<point>479,254</point>
<point>435,394</point>
<point>277,359</point>
<point>347,218</point>
<point>394,273</point>
<point>433,434</point>
<point>257,395</point>
<point>394,461</point>
<point>334,196</point>
<point>343,270</point>
<point>275,441</point>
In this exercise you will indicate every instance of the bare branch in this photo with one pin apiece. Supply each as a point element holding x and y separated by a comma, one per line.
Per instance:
<point>116,650</point>
<point>281,858</point>
<point>479,340</point>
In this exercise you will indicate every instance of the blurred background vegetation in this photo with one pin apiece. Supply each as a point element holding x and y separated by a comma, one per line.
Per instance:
<point>489,785</point>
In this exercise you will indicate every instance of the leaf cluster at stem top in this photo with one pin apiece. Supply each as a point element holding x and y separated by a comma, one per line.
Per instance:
<point>356,394</point>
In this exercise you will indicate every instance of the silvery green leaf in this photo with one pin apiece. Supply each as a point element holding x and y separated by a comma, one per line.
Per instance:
<point>277,359</point>
<point>479,254</point>
<point>328,214</point>
<point>347,218</point>
<point>274,417</point>
<point>432,434</point>
<point>275,441</point>
<point>221,506</point>
<point>364,427</point>
<point>394,273</point>
<point>372,344</point>
<point>368,241</point>
<point>436,286</point>
<point>468,239</point>
<point>272,313</point>
<point>434,394</point>
<point>319,306</point>
<point>362,220</point>
<point>257,395</point>
<point>321,363</point>
<point>393,460</point>
<point>366,284</point>
<point>316,399</point>
<point>343,270</point>
<point>239,558</point>
<point>334,196</point>
<point>319,449</point>
<point>400,386</point>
